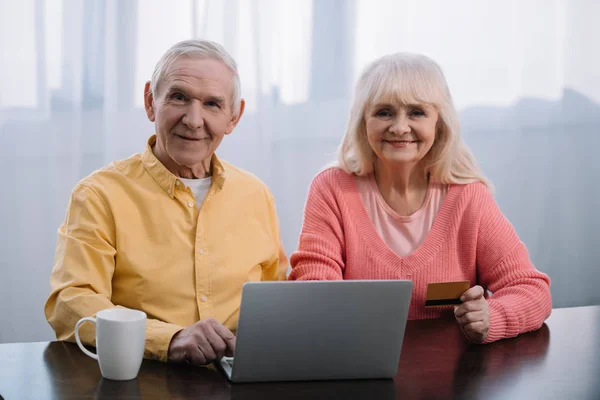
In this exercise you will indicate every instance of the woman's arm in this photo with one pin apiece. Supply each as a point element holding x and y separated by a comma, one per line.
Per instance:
<point>321,249</point>
<point>521,299</point>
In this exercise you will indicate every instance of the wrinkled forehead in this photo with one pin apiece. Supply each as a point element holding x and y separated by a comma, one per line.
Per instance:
<point>198,73</point>
<point>404,88</point>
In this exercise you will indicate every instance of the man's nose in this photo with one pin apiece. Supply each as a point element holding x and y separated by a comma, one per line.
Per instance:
<point>193,117</point>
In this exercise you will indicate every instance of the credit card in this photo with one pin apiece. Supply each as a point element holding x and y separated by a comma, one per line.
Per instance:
<point>441,294</point>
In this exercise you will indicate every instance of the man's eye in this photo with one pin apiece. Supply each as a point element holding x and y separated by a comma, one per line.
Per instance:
<point>178,97</point>
<point>212,104</point>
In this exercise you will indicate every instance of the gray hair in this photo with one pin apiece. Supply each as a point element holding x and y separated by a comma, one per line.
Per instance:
<point>199,49</point>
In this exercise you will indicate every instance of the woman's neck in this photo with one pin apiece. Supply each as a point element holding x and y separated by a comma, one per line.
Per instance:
<point>403,188</point>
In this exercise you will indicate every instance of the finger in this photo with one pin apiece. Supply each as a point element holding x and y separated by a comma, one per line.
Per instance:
<point>460,311</point>
<point>203,344</point>
<point>476,329</point>
<point>470,306</point>
<point>177,355</point>
<point>217,343</point>
<point>194,355</point>
<point>470,317</point>
<point>472,294</point>
<point>227,336</point>
<point>476,326</point>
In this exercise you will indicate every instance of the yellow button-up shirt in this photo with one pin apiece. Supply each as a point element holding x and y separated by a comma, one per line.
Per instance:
<point>134,237</point>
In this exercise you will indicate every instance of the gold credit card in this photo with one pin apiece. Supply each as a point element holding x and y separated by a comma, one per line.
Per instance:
<point>445,293</point>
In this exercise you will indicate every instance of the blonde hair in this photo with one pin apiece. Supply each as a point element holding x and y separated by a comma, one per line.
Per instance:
<point>409,78</point>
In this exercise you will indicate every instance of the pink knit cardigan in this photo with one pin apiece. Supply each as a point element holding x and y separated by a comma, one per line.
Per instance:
<point>470,240</point>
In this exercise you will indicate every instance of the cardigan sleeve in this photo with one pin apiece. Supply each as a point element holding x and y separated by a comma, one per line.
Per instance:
<point>521,299</point>
<point>320,254</point>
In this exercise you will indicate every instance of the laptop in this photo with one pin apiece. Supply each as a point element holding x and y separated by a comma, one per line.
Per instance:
<point>319,330</point>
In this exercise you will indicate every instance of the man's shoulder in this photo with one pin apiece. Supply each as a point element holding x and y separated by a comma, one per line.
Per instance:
<point>115,173</point>
<point>242,180</point>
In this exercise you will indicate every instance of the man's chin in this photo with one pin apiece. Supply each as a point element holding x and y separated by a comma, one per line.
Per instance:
<point>190,161</point>
<point>189,157</point>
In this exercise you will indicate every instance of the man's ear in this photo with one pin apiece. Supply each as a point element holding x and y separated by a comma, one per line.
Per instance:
<point>149,102</point>
<point>234,121</point>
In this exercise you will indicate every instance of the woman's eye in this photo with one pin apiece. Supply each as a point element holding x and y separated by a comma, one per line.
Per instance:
<point>417,113</point>
<point>383,113</point>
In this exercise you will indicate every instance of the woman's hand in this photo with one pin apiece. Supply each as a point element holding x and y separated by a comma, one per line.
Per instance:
<point>473,314</point>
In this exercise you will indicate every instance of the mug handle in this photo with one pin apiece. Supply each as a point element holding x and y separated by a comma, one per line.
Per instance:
<point>86,351</point>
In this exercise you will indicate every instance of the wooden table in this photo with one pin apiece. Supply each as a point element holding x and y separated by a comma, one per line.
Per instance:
<point>559,361</point>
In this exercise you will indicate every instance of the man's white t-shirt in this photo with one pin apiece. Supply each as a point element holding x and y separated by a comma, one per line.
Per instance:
<point>199,187</point>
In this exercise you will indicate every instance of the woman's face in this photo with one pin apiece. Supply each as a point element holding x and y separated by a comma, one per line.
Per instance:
<point>401,134</point>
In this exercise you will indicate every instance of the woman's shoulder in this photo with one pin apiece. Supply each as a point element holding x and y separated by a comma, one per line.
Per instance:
<point>476,188</point>
<point>332,178</point>
<point>474,194</point>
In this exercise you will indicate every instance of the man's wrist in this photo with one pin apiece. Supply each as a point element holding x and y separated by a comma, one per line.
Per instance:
<point>172,345</point>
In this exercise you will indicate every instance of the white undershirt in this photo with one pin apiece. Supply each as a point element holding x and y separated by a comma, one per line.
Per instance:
<point>199,187</point>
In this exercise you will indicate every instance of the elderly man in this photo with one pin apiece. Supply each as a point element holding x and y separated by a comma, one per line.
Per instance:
<point>174,232</point>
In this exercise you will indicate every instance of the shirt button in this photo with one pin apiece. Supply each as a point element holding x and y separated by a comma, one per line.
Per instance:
<point>176,183</point>
<point>200,251</point>
<point>190,204</point>
<point>169,191</point>
<point>203,298</point>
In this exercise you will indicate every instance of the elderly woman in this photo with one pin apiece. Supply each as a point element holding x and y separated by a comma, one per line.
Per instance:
<point>406,200</point>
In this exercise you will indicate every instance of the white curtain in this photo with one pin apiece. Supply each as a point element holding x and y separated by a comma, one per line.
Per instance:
<point>524,75</point>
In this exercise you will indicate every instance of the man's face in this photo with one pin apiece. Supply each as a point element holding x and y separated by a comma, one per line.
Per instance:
<point>192,110</point>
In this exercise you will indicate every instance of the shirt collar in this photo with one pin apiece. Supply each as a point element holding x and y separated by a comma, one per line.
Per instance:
<point>166,179</point>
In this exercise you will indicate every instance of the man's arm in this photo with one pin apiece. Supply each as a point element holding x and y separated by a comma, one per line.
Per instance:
<point>81,280</point>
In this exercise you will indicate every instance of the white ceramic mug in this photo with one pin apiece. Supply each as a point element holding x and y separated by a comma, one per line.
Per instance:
<point>120,341</point>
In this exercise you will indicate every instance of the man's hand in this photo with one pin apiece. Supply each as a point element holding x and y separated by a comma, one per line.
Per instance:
<point>202,343</point>
<point>473,314</point>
